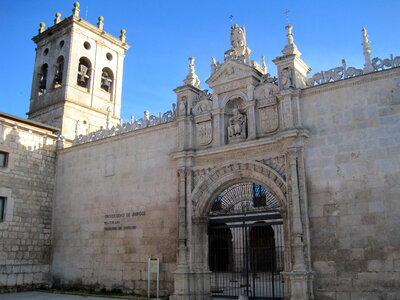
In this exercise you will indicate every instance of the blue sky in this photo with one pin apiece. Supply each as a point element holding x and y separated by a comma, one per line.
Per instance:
<point>163,34</point>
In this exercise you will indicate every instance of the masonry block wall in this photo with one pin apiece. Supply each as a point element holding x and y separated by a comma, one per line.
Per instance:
<point>26,186</point>
<point>353,175</point>
<point>116,206</point>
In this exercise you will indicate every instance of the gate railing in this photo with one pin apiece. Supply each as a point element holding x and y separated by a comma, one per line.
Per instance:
<point>246,255</point>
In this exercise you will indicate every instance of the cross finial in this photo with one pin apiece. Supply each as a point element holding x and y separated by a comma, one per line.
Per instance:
<point>287,15</point>
<point>231,18</point>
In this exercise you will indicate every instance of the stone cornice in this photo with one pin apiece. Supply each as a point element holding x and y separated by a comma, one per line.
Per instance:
<point>73,20</point>
<point>282,135</point>
<point>62,102</point>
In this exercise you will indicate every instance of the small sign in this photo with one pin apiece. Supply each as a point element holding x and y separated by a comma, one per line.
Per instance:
<point>153,267</point>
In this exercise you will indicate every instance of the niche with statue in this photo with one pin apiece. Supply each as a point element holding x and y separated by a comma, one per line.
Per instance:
<point>236,120</point>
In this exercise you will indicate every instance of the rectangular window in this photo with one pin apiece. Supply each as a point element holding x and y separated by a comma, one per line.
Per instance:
<point>3,159</point>
<point>2,208</point>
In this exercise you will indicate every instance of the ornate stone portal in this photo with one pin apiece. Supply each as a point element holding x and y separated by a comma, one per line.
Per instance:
<point>246,108</point>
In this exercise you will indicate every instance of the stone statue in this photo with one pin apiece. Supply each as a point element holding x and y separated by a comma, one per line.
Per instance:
<point>236,124</point>
<point>182,108</point>
<point>286,79</point>
<point>238,36</point>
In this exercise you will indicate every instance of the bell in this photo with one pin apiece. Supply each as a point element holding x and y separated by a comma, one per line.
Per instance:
<point>42,84</point>
<point>58,77</point>
<point>105,84</point>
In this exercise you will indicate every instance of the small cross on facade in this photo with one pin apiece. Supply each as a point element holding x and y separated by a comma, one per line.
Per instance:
<point>231,18</point>
<point>287,15</point>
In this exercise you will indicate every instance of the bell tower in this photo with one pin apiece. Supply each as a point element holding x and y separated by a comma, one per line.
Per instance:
<point>77,78</point>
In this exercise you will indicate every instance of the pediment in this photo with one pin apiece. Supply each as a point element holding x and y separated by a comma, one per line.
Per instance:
<point>230,71</point>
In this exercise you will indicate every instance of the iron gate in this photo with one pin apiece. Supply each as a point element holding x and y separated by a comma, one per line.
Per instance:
<point>246,255</point>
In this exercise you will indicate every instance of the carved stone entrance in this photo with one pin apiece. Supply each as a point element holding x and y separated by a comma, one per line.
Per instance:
<point>246,243</point>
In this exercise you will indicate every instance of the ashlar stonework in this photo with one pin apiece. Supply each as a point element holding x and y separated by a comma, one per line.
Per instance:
<point>325,148</point>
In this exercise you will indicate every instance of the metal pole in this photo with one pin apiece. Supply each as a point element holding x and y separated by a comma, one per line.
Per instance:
<point>148,279</point>
<point>158,276</point>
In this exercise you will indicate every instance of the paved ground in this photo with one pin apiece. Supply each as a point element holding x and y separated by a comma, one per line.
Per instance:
<point>46,296</point>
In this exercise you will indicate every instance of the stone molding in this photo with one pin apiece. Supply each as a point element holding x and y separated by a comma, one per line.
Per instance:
<point>120,136</point>
<point>227,174</point>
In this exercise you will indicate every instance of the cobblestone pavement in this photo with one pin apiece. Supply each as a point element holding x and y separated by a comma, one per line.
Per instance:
<point>46,296</point>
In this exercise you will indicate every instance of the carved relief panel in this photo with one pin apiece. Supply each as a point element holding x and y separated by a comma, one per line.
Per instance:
<point>269,120</point>
<point>267,106</point>
<point>201,111</point>
<point>204,133</point>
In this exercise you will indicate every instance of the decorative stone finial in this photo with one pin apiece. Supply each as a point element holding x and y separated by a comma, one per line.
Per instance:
<point>191,78</point>
<point>290,47</point>
<point>41,29</point>
<point>100,24</point>
<point>263,66</point>
<point>75,11</point>
<point>57,19</point>
<point>367,52</point>
<point>213,65</point>
<point>122,37</point>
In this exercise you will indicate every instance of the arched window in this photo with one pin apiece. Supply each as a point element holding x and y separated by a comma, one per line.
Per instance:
<point>43,79</point>
<point>59,71</point>
<point>107,80</point>
<point>84,72</point>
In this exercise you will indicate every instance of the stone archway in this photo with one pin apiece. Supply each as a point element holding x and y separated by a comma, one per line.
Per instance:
<point>225,175</point>
<point>201,201</point>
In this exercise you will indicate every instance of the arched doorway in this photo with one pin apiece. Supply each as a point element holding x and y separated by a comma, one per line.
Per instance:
<point>247,215</point>
<point>220,252</point>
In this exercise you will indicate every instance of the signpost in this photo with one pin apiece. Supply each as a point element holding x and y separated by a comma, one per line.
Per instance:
<point>153,267</point>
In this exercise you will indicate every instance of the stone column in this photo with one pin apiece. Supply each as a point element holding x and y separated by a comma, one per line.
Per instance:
<point>181,275</point>
<point>200,281</point>
<point>286,108</point>
<point>219,134</point>
<point>251,122</point>
<point>299,278</point>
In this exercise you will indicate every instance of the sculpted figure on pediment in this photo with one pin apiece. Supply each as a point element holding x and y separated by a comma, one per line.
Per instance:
<point>238,36</point>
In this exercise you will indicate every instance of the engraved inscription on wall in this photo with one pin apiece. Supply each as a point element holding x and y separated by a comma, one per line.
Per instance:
<point>122,221</point>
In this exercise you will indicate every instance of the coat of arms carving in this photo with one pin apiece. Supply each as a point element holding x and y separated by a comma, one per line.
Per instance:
<point>204,133</point>
<point>269,119</point>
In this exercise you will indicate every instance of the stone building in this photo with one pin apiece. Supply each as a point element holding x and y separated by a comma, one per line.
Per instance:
<point>282,188</point>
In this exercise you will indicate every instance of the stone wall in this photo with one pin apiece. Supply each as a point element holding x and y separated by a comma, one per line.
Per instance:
<point>353,174</point>
<point>116,206</point>
<point>27,183</point>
